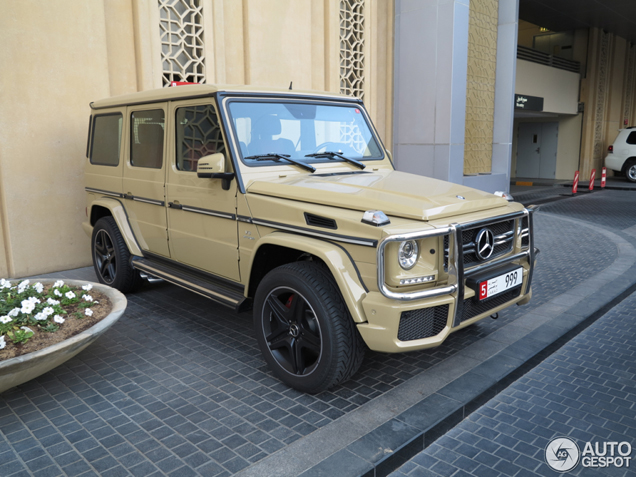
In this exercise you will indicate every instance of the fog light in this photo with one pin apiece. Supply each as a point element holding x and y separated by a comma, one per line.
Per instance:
<point>416,280</point>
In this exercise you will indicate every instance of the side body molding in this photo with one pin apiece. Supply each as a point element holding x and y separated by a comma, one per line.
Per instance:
<point>340,264</point>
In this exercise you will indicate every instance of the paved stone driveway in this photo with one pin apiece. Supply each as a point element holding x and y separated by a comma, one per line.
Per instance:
<point>585,391</point>
<point>178,386</point>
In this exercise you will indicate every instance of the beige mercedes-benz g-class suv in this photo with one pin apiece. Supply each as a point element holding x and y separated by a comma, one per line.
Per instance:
<point>288,202</point>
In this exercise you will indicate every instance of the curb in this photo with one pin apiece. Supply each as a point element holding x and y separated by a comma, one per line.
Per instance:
<point>433,404</point>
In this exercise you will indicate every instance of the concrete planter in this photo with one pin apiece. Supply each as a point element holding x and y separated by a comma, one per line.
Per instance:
<point>23,368</point>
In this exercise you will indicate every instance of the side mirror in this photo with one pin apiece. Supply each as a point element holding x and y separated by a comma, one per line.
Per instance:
<point>213,167</point>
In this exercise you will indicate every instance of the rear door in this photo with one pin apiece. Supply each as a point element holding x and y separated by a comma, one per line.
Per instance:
<point>201,214</point>
<point>144,177</point>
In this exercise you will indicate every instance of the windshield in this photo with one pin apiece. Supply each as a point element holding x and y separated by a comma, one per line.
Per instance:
<point>297,130</point>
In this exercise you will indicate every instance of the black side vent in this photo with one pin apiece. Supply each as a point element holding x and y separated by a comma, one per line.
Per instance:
<point>318,221</point>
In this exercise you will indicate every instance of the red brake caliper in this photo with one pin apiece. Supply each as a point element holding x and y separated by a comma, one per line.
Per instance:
<point>289,301</point>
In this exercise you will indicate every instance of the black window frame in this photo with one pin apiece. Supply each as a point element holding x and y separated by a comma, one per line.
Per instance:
<point>132,143</point>
<point>93,123</point>
<point>319,101</point>
<point>219,123</point>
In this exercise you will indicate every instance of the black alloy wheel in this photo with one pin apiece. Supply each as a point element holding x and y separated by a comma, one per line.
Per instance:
<point>104,256</point>
<point>304,329</point>
<point>111,257</point>
<point>292,331</point>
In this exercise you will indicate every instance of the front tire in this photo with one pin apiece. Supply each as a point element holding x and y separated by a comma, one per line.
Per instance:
<point>111,258</point>
<point>304,328</point>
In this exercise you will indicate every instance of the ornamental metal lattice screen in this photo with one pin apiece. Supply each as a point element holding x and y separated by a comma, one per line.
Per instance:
<point>181,29</point>
<point>352,47</point>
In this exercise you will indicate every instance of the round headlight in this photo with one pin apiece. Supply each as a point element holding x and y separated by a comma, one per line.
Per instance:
<point>407,254</point>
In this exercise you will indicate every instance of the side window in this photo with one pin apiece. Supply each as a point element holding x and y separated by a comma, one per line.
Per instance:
<point>106,140</point>
<point>146,138</point>
<point>631,139</point>
<point>198,135</point>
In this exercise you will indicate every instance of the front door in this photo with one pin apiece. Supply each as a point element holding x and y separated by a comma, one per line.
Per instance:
<point>202,225</point>
<point>144,177</point>
<point>537,150</point>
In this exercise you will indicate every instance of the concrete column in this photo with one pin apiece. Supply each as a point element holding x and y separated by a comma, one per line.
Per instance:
<point>431,55</point>
<point>507,28</point>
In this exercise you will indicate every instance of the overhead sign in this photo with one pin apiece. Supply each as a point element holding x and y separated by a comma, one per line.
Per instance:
<point>529,103</point>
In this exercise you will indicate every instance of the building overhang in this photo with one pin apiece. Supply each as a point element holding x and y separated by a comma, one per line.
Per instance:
<point>614,16</point>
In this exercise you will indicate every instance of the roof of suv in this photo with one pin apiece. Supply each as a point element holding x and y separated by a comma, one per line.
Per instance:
<point>193,91</point>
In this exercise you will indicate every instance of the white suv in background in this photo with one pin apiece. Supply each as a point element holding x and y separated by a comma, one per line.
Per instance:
<point>621,155</point>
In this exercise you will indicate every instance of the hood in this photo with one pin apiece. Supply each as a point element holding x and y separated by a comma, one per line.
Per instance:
<point>395,193</point>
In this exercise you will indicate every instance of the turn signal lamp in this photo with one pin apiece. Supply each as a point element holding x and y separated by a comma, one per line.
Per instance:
<point>375,217</point>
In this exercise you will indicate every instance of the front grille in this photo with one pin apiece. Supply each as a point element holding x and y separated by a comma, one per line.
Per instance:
<point>504,236</point>
<point>473,308</point>
<point>422,323</point>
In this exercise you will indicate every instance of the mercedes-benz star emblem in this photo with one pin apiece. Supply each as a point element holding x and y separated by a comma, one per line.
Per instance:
<point>484,244</point>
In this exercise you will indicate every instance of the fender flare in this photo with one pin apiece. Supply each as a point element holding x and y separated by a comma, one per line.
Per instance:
<point>334,256</point>
<point>118,213</point>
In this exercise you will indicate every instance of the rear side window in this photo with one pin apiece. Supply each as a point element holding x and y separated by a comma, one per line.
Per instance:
<point>106,139</point>
<point>631,139</point>
<point>146,138</point>
<point>198,135</point>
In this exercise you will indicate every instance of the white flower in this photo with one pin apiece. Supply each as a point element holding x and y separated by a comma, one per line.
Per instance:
<point>88,312</point>
<point>56,292</point>
<point>27,307</point>
<point>33,300</point>
<point>48,311</point>
<point>88,298</point>
<point>4,284</point>
<point>69,295</point>
<point>2,342</point>
<point>87,287</point>
<point>51,301</point>
<point>5,319</point>
<point>40,316</point>
<point>58,284</point>
<point>14,312</point>
<point>26,328</point>
<point>58,319</point>
<point>38,287</point>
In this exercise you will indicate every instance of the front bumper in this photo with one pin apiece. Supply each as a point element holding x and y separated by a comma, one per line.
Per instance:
<point>435,313</point>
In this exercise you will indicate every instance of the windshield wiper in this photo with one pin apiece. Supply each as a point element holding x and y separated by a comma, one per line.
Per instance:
<point>274,156</point>
<point>333,155</point>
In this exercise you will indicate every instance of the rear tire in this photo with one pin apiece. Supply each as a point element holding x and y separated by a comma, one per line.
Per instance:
<point>630,170</point>
<point>111,258</point>
<point>304,328</point>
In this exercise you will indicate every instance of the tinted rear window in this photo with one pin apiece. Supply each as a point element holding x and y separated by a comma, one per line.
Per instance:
<point>106,139</point>
<point>631,139</point>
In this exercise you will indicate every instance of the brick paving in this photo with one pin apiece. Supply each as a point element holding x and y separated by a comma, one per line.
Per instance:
<point>178,386</point>
<point>585,391</point>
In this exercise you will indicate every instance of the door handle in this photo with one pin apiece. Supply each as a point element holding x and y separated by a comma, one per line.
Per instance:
<point>539,150</point>
<point>175,205</point>
<point>128,195</point>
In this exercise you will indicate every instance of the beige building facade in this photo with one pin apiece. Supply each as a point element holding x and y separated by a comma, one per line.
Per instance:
<point>59,56</point>
<point>438,77</point>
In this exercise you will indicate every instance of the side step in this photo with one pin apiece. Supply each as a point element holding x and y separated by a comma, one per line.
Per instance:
<point>216,289</point>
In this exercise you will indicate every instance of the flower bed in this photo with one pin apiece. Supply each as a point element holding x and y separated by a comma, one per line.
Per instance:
<point>55,349</point>
<point>35,316</point>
